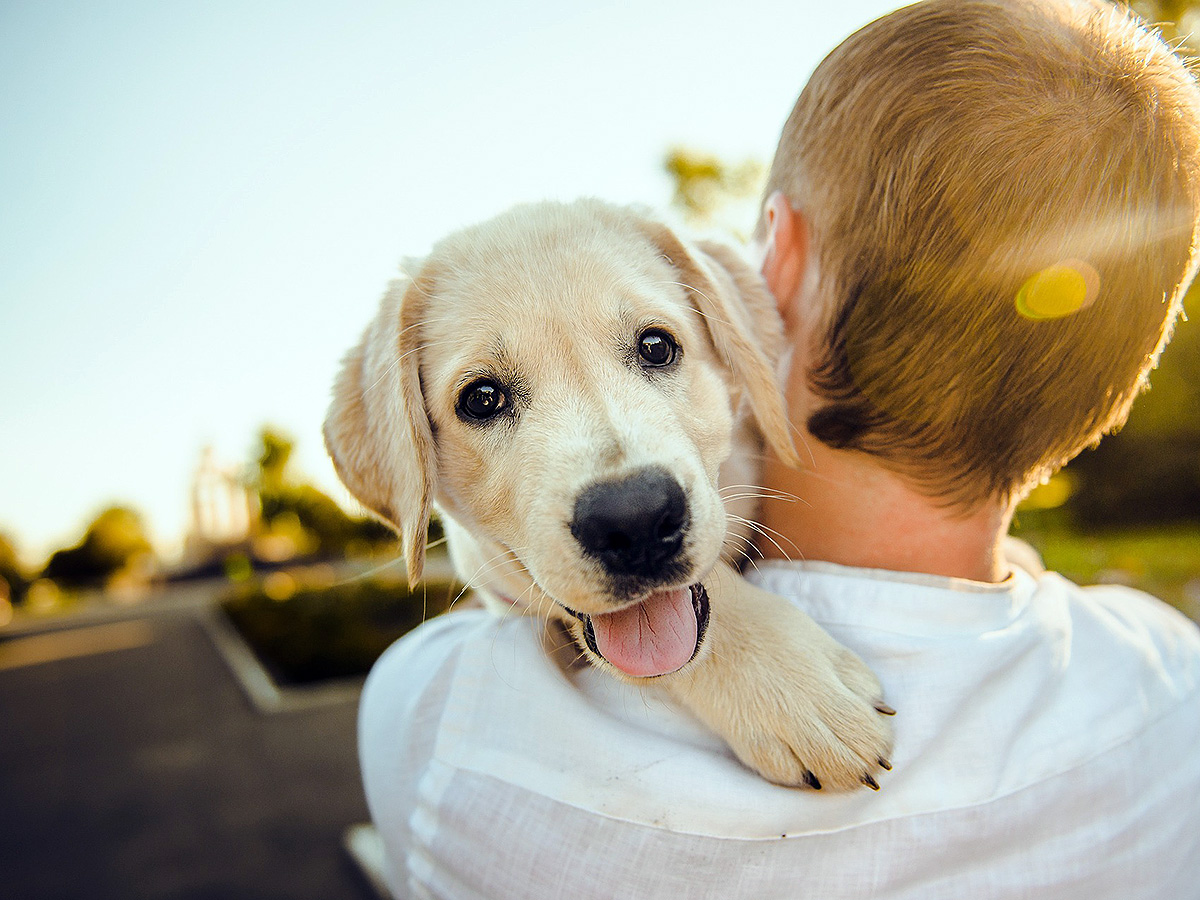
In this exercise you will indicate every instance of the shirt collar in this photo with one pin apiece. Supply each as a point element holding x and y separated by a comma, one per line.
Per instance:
<point>903,602</point>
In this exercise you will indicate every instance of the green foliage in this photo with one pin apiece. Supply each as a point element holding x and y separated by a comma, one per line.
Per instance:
<point>292,506</point>
<point>1150,470</point>
<point>1163,561</point>
<point>1136,480</point>
<point>312,633</point>
<point>115,541</point>
<point>331,529</point>
<point>705,184</point>
<point>273,458</point>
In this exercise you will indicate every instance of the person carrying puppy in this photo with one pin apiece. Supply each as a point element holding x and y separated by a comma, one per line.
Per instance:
<point>979,225</point>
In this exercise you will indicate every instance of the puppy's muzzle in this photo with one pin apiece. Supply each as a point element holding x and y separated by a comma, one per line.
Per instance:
<point>634,526</point>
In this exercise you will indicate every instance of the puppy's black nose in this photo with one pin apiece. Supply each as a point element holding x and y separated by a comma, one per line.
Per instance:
<point>633,526</point>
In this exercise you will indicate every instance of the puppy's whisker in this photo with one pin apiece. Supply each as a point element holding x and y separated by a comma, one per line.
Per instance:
<point>507,562</point>
<point>786,498</point>
<point>520,603</point>
<point>412,326</point>
<point>702,313</point>
<point>732,539</point>
<point>746,550</point>
<point>501,563</point>
<point>400,358</point>
<point>515,609</point>
<point>736,547</point>
<point>802,438</point>
<point>366,574</point>
<point>710,317</point>
<point>771,534</point>
<point>410,271</point>
<point>764,494</point>
<point>462,592</point>
<point>753,563</point>
<point>391,367</point>
<point>488,570</point>
<point>757,528</point>
<point>569,642</point>
<point>425,345</point>
<point>755,490</point>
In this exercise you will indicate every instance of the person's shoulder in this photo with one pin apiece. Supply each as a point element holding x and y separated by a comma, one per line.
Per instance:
<point>1132,624</point>
<point>1128,609</point>
<point>423,662</point>
<point>431,643</point>
<point>1124,612</point>
<point>438,642</point>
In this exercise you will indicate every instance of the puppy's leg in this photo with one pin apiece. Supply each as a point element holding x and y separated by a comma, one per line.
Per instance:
<point>791,702</point>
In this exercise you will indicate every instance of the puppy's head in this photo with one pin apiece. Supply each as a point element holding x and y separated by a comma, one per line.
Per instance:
<point>562,381</point>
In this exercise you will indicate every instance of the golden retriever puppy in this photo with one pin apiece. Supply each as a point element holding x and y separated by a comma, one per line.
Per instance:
<point>570,386</point>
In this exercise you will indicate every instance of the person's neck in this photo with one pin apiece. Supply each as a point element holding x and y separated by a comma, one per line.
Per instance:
<point>848,509</point>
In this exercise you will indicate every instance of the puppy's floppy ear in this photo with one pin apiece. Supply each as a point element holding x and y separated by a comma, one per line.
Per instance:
<point>743,323</point>
<point>377,431</point>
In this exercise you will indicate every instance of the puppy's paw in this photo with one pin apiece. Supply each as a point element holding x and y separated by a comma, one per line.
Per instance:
<point>816,721</point>
<point>792,703</point>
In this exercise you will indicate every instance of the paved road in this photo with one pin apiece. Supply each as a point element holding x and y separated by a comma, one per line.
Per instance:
<point>132,766</point>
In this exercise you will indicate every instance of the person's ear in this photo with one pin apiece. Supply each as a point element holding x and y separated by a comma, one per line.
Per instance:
<point>786,252</point>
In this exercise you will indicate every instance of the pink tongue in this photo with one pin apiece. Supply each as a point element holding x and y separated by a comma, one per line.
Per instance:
<point>653,637</point>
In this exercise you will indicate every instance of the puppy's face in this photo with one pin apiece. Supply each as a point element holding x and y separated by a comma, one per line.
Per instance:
<point>578,410</point>
<point>560,380</point>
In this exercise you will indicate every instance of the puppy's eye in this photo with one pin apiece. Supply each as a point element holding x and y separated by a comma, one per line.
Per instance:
<point>656,349</point>
<point>482,400</point>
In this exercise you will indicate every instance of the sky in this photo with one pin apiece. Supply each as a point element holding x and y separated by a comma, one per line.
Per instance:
<point>201,203</point>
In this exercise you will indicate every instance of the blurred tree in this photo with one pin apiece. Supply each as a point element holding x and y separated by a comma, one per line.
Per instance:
<point>115,541</point>
<point>309,519</point>
<point>12,573</point>
<point>710,191</point>
<point>273,459</point>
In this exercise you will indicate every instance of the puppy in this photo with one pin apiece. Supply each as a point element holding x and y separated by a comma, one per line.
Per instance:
<point>570,386</point>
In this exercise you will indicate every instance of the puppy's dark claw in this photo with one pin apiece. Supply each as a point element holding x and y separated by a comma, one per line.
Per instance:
<point>881,707</point>
<point>870,782</point>
<point>812,781</point>
<point>885,764</point>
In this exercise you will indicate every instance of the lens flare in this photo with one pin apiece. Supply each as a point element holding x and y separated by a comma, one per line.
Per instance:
<point>1059,290</point>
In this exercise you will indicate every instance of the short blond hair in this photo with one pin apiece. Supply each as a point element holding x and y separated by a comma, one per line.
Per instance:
<point>1003,199</point>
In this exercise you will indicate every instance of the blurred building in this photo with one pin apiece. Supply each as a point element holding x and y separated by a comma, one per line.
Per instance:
<point>224,511</point>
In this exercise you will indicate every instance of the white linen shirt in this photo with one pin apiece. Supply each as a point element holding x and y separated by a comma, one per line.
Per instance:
<point>1047,744</point>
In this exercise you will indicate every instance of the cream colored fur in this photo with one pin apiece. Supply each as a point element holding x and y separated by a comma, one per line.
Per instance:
<point>553,296</point>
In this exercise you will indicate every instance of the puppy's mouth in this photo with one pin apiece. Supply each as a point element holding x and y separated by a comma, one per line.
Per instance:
<point>656,636</point>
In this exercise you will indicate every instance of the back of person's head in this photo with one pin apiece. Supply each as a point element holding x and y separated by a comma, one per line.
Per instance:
<point>1002,199</point>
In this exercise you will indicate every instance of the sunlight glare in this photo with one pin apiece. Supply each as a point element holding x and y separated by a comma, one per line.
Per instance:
<point>1059,290</point>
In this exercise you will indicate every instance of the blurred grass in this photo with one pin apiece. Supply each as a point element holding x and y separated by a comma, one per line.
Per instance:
<point>1161,560</point>
<point>304,632</point>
